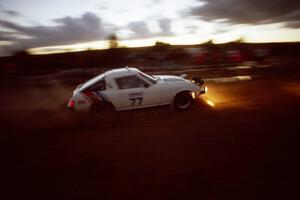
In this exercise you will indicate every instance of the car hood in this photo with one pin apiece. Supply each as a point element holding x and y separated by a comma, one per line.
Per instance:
<point>170,78</point>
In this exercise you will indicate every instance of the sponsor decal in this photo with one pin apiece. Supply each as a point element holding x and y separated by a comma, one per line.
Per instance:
<point>136,94</point>
<point>92,97</point>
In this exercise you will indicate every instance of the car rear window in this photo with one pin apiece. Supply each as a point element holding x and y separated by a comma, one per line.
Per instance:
<point>98,86</point>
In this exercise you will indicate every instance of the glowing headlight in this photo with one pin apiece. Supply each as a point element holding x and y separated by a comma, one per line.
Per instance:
<point>193,95</point>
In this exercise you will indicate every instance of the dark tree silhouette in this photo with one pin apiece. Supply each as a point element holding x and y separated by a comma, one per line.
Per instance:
<point>113,41</point>
<point>160,44</point>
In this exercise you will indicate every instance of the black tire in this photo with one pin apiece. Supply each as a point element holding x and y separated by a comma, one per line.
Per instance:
<point>183,101</point>
<point>102,110</point>
<point>104,115</point>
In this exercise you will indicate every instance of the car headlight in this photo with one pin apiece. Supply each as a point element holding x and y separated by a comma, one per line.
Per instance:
<point>193,95</point>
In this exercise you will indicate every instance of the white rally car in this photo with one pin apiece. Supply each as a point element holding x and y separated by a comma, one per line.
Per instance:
<point>129,88</point>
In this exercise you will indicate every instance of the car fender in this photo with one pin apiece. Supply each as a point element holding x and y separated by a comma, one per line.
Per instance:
<point>179,91</point>
<point>186,88</point>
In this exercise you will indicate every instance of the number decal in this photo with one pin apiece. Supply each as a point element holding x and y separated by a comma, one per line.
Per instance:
<point>139,101</point>
<point>136,98</point>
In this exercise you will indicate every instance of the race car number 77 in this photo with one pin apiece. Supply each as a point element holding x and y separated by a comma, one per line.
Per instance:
<point>136,97</point>
<point>133,100</point>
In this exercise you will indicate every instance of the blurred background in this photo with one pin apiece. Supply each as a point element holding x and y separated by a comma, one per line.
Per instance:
<point>46,37</point>
<point>238,141</point>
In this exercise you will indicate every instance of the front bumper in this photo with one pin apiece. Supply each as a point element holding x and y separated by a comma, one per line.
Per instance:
<point>198,93</point>
<point>204,90</point>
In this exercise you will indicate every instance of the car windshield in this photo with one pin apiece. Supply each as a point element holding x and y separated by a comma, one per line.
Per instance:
<point>150,78</point>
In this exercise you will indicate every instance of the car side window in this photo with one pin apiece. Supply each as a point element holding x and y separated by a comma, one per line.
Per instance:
<point>99,86</point>
<point>130,82</point>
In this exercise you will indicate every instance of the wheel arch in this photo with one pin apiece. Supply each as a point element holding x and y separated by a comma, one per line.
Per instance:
<point>100,105</point>
<point>181,91</point>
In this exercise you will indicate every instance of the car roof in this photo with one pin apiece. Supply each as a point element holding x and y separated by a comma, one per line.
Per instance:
<point>119,72</point>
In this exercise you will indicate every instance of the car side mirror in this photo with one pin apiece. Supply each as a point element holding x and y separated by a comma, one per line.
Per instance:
<point>146,85</point>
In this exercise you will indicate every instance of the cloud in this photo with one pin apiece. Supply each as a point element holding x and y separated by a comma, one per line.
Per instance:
<point>249,11</point>
<point>11,13</point>
<point>7,36</point>
<point>140,29</point>
<point>165,26</point>
<point>103,7</point>
<point>68,30</point>
<point>293,24</point>
<point>8,13</point>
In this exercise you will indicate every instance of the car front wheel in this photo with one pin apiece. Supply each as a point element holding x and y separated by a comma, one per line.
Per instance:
<point>183,101</point>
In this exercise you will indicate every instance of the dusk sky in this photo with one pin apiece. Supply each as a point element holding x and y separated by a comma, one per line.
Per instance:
<point>68,25</point>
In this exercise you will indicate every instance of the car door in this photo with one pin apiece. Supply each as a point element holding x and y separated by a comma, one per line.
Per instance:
<point>134,92</point>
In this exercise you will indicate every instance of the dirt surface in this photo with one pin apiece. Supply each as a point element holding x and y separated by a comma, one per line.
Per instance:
<point>242,146</point>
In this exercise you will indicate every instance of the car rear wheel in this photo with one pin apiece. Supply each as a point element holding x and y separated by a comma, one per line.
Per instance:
<point>183,101</point>
<point>102,110</point>
<point>104,115</point>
